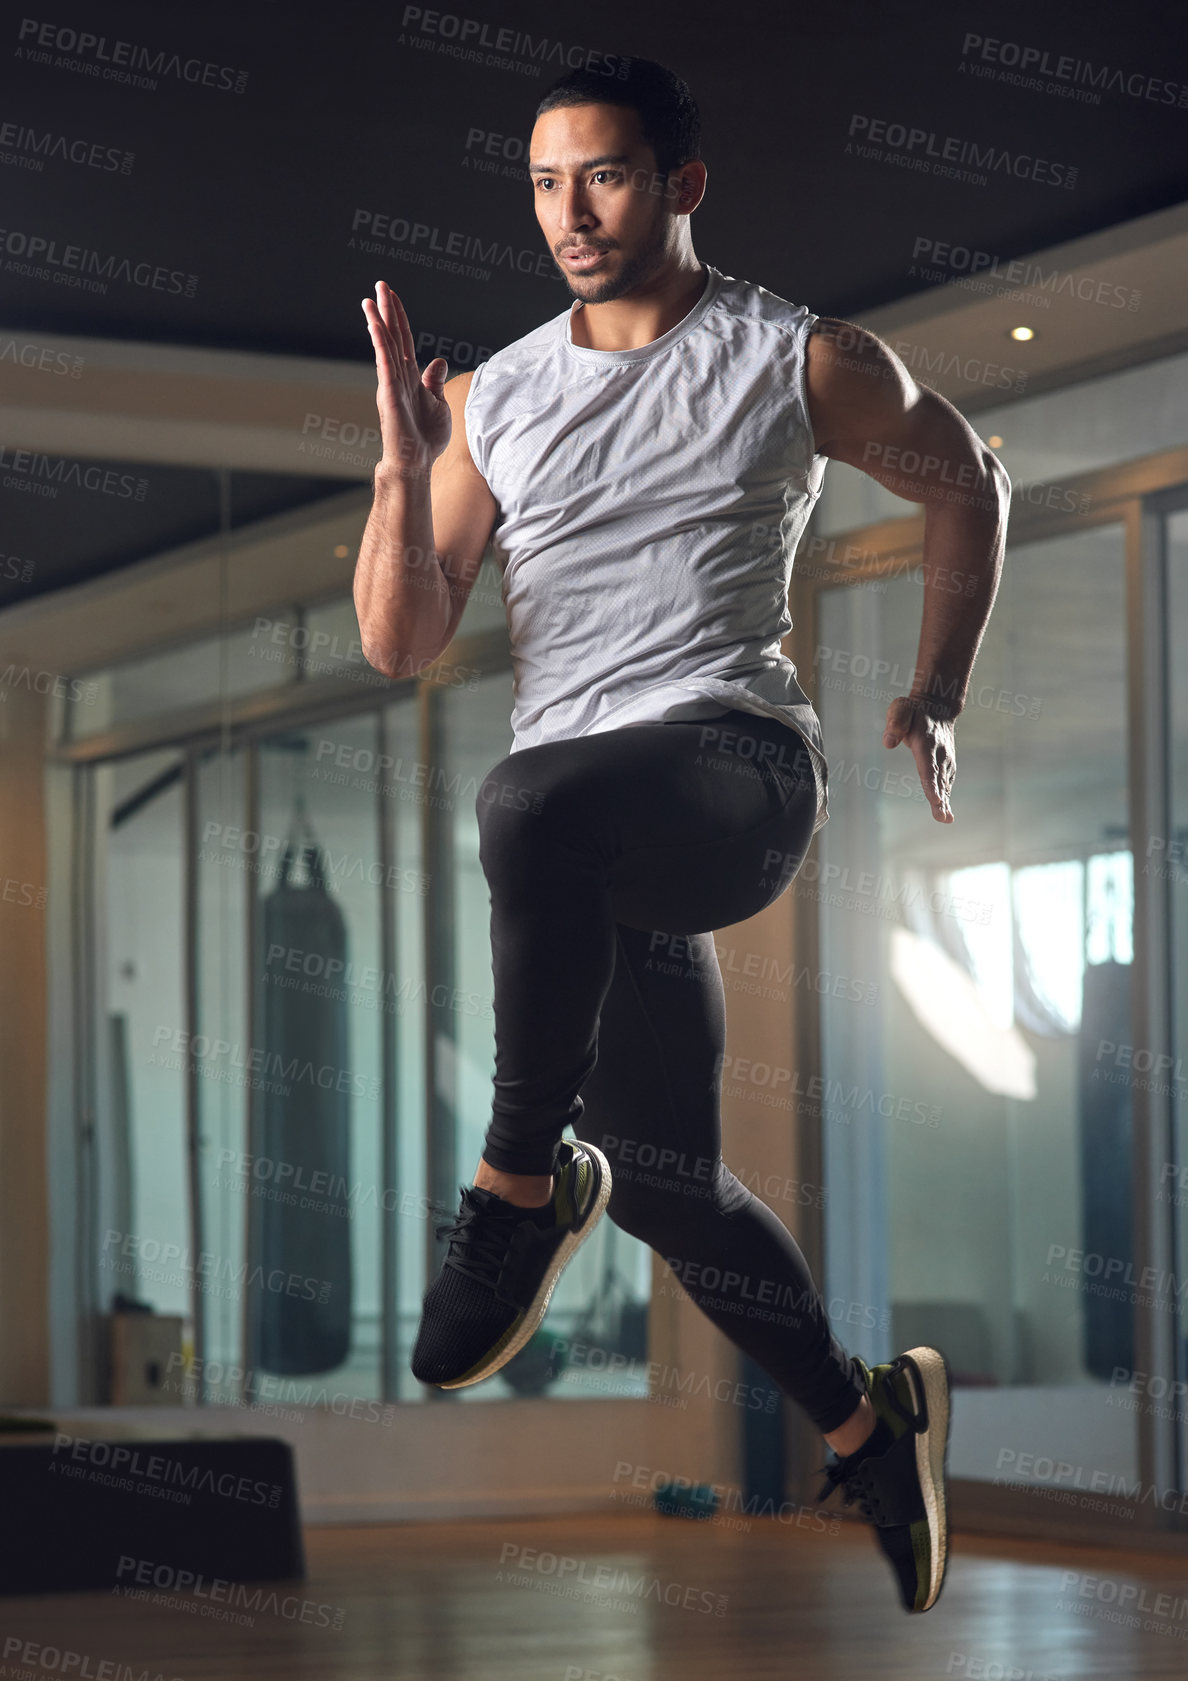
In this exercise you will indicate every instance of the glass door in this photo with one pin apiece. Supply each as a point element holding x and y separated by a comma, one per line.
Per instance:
<point>300,1059</point>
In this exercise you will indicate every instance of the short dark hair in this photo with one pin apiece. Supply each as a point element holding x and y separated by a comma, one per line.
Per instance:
<point>668,113</point>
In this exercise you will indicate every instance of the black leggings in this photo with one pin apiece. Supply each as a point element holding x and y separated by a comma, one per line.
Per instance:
<point>610,860</point>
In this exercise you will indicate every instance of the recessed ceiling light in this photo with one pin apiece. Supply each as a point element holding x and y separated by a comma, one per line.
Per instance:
<point>995,441</point>
<point>1022,333</point>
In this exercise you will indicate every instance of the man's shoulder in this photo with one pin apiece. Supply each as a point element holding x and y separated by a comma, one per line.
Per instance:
<point>525,353</point>
<point>764,309</point>
<point>838,347</point>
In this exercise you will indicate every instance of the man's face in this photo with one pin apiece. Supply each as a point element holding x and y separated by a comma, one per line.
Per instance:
<point>601,190</point>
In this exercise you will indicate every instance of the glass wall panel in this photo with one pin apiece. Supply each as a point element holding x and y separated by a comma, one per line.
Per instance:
<point>145,1242</point>
<point>194,674</point>
<point>230,863</point>
<point>314,1173</point>
<point>978,1137</point>
<point>408,1205</point>
<point>325,990</point>
<point>1165,1394</point>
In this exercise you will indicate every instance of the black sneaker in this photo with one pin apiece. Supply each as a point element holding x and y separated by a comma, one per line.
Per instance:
<point>500,1269</point>
<point>897,1477</point>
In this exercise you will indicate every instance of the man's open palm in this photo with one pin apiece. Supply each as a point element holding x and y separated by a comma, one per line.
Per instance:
<point>415,420</point>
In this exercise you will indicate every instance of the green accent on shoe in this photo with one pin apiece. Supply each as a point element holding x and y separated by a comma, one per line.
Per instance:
<point>880,1379</point>
<point>583,1181</point>
<point>581,1191</point>
<point>892,1395</point>
<point>573,1185</point>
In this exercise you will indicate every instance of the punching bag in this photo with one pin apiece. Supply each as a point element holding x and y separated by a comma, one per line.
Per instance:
<point>301,1282</point>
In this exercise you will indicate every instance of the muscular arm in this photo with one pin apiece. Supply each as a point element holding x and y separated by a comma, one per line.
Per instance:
<point>432,512</point>
<point>867,410</point>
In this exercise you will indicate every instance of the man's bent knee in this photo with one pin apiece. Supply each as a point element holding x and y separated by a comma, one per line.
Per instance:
<point>506,788</point>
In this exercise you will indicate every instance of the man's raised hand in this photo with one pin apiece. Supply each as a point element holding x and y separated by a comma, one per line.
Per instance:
<point>415,422</point>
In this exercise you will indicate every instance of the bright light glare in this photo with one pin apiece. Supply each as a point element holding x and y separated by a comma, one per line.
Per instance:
<point>952,1008</point>
<point>1111,908</point>
<point>988,936</point>
<point>1050,910</point>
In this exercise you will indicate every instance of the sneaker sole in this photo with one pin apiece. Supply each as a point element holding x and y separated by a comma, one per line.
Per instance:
<point>530,1324</point>
<point>932,1449</point>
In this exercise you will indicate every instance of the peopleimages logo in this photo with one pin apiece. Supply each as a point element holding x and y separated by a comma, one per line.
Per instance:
<point>1082,78</point>
<point>471,39</point>
<point>125,62</point>
<point>158,1469</point>
<point>1114,1269</point>
<point>207,1266</point>
<point>42,357</point>
<point>923,148</point>
<point>604,1578</point>
<point>1018,273</point>
<point>371,228</point>
<point>251,1596</point>
<point>64,1660</point>
<point>37,145</point>
<point>40,257</point>
<point>43,475</point>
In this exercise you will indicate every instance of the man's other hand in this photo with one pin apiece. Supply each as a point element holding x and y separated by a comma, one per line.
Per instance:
<point>932,745</point>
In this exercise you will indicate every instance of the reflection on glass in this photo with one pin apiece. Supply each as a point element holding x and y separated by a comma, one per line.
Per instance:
<point>229,864</point>
<point>340,1020</point>
<point>195,674</point>
<point>143,1229</point>
<point>1166,1393</point>
<point>977,1145</point>
<point>1050,919</point>
<point>315,1162</point>
<point>407,1205</point>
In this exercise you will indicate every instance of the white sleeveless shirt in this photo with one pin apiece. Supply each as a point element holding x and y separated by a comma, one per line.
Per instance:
<point>650,503</point>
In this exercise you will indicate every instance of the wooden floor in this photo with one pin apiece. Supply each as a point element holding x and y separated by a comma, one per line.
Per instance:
<point>636,1597</point>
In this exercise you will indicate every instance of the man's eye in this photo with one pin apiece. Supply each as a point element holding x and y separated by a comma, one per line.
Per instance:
<point>543,180</point>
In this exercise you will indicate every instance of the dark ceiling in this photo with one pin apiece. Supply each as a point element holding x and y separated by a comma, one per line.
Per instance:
<point>349,110</point>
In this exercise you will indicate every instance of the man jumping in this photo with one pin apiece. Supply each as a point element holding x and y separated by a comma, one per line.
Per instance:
<point>645,463</point>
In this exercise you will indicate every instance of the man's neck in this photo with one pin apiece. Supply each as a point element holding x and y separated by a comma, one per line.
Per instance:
<point>629,323</point>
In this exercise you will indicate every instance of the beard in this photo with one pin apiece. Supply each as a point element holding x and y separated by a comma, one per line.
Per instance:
<point>603,289</point>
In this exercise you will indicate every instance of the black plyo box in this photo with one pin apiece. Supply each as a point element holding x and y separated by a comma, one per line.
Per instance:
<point>93,1513</point>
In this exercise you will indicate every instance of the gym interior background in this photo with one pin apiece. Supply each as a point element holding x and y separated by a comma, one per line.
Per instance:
<point>246,1034</point>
